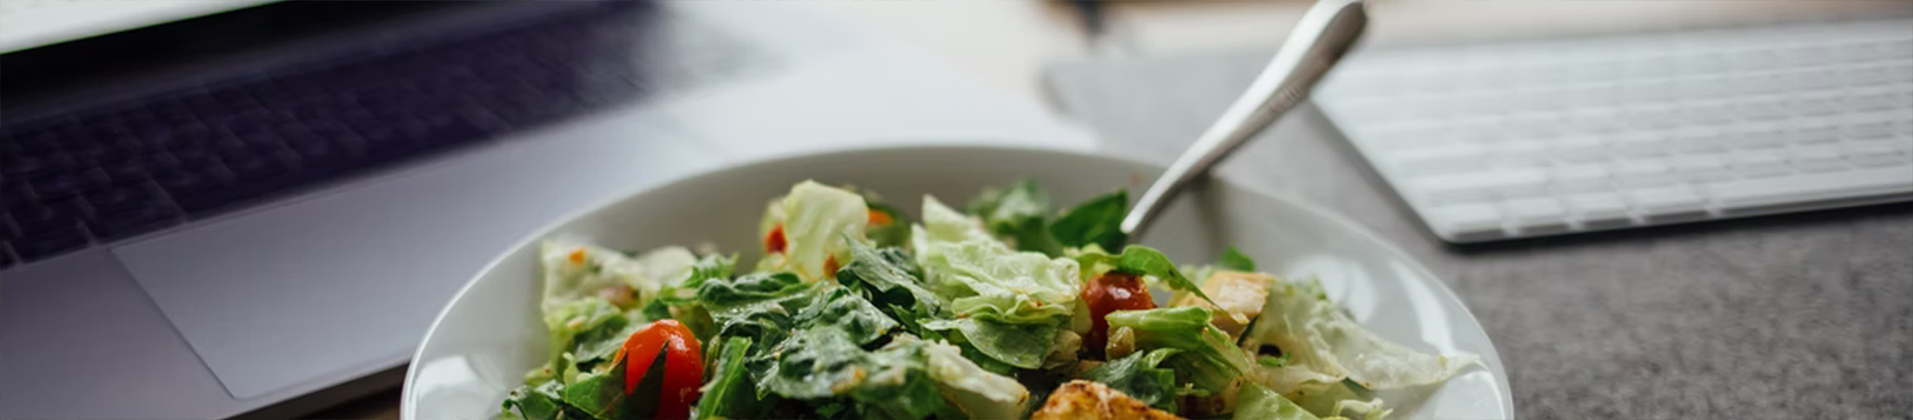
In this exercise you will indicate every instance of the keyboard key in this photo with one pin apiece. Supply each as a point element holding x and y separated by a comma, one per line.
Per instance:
<point>1466,220</point>
<point>1757,140</point>
<point>1447,187</point>
<point>1864,183</point>
<point>1760,163</point>
<point>1665,202</point>
<point>1536,214</point>
<point>1599,210</point>
<point>47,243</point>
<point>1877,161</point>
<point>1867,131</point>
<point>133,221</point>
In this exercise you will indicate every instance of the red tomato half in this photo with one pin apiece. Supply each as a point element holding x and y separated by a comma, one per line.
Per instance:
<point>1107,293</point>
<point>683,365</point>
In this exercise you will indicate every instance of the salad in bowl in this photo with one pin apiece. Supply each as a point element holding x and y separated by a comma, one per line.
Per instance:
<point>997,307</point>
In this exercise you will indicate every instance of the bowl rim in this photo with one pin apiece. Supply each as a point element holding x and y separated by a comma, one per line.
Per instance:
<point>407,406</point>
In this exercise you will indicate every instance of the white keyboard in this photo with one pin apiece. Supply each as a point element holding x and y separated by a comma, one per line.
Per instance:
<point>1537,138</point>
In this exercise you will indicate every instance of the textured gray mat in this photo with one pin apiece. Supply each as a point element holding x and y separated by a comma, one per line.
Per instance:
<point>1783,317</point>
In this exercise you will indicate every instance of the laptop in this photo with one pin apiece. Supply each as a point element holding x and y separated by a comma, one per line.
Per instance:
<point>256,213</point>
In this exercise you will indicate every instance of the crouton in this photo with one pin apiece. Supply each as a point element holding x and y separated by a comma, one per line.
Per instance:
<point>1086,400</point>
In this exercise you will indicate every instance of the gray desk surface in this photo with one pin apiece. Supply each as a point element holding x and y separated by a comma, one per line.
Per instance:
<point>1784,317</point>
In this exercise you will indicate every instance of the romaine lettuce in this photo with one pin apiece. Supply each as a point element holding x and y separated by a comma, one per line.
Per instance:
<point>1233,259</point>
<point>1208,358</point>
<point>890,279</point>
<point>816,219</point>
<point>1138,376</point>
<point>1017,212</point>
<point>1008,304</point>
<point>1258,403</point>
<point>1322,342</point>
<point>730,394</point>
<point>576,271</point>
<point>1096,222</point>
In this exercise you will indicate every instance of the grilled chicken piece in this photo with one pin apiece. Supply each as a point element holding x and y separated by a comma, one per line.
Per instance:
<point>1240,294</point>
<point>1086,400</point>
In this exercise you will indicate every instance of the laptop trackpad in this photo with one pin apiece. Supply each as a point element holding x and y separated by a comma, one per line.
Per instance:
<point>346,282</point>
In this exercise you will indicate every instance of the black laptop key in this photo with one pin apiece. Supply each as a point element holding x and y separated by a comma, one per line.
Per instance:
<point>38,244</point>
<point>135,221</point>
<point>6,258</point>
<point>120,198</point>
<point>14,194</point>
<point>64,185</point>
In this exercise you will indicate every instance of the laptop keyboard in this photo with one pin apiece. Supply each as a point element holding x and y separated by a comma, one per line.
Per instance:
<point>97,175</point>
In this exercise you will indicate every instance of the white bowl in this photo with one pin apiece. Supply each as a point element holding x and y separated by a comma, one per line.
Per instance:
<point>488,336</point>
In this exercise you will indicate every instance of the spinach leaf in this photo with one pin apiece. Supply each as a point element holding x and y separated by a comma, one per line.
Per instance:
<point>566,320</point>
<point>1017,212</point>
<point>711,267</point>
<point>1233,259</point>
<point>811,364</point>
<point>841,309</point>
<point>1098,221</point>
<point>541,402</point>
<point>730,393</point>
<point>749,288</point>
<point>602,341</point>
<point>1138,376</point>
<point>764,323</point>
<point>601,394</point>
<point>890,279</point>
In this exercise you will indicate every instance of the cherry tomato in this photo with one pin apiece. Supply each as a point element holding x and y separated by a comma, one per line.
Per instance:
<point>1107,293</point>
<point>683,365</point>
<point>774,242</point>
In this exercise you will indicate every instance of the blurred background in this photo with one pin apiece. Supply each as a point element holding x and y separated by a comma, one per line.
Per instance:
<point>1545,157</point>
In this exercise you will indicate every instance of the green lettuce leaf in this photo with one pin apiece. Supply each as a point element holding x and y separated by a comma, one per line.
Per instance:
<point>1017,212</point>
<point>749,288</point>
<point>601,341</point>
<point>1209,359</point>
<point>541,402</point>
<point>1140,260</point>
<point>980,275</point>
<point>565,320</point>
<point>841,309</point>
<point>719,267</point>
<point>1138,376</point>
<point>1006,303</point>
<point>1020,345</point>
<point>824,362</point>
<point>890,279</point>
<point>1324,345</point>
<point>1096,222</point>
<point>976,392</point>
<point>1233,259</point>
<point>760,306</point>
<point>1258,403</point>
<point>601,394</point>
<point>895,233</point>
<point>731,394</point>
<point>573,271</point>
<point>816,219</point>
